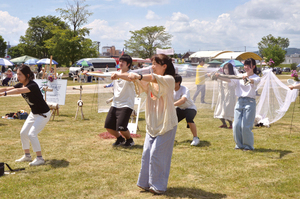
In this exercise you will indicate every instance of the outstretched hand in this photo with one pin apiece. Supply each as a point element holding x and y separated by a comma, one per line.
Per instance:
<point>114,76</point>
<point>133,76</point>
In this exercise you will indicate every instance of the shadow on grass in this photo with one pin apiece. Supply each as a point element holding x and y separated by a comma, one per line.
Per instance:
<point>136,146</point>
<point>281,152</point>
<point>3,124</point>
<point>55,120</point>
<point>203,143</point>
<point>57,163</point>
<point>183,192</point>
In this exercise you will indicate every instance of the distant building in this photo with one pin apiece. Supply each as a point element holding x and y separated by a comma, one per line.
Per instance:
<point>110,51</point>
<point>292,59</point>
<point>186,56</point>
<point>295,55</point>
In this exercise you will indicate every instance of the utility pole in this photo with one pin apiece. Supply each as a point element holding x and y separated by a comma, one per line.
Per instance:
<point>245,49</point>
<point>98,42</point>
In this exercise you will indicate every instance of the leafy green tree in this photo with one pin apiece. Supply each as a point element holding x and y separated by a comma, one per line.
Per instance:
<point>76,15</point>
<point>16,51</point>
<point>71,45</point>
<point>143,43</point>
<point>273,48</point>
<point>38,32</point>
<point>67,49</point>
<point>274,52</point>
<point>294,66</point>
<point>2,46</point>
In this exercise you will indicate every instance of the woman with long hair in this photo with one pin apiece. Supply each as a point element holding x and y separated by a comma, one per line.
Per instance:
<point>226,99</point>
<point>161,122</point>
<point>38,117</point>
<point>245,108</point>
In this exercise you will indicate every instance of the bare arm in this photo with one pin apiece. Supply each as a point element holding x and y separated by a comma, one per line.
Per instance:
<point>222,78</point>
<point>180,101</point>
<point>13,91</point>
<point>133,76</point>
<point>294,86</point>
<point>6,89</point>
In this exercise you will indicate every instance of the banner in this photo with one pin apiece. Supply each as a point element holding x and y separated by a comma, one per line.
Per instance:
<point>169,51</point>
<point>59,86</point>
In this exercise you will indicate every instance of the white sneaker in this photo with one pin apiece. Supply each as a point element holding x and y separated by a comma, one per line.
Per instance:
<point>37,162</point>
<point>195,141</point>
<point>24,158</point>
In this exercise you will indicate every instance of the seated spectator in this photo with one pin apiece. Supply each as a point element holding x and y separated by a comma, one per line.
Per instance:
<point>40,74</point>
<point>9,74</point>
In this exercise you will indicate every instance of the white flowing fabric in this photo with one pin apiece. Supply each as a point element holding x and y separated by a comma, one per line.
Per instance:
<point>275,99</point>
<point>226,101</point>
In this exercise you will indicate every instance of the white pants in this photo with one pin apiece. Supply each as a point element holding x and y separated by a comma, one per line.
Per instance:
<point>34,124</point>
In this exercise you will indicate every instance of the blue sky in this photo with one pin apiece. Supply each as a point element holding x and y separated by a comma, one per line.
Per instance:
<point>195,24</point>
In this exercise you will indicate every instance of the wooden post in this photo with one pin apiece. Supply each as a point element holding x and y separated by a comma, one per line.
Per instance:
<point>55,71</point>
<point>50,63</point>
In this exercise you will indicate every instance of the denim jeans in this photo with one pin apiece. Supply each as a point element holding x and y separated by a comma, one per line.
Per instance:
<point>244,115</point>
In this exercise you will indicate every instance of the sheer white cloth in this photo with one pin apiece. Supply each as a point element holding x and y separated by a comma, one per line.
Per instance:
<point>226,101</point>
<point>275,99</point>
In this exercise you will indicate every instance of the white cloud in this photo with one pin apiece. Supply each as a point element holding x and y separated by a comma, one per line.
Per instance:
<point>11,28</point>
<point>145,3</point>
<point>110,35</point>
<point>245,26</point>
<point>151,15</point>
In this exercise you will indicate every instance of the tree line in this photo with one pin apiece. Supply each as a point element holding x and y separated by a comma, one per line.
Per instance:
<point>49,35</point>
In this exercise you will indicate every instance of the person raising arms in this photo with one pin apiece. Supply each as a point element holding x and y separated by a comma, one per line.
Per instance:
<point>245,108</point>
<point>38,117</point>
<point>161,122</point>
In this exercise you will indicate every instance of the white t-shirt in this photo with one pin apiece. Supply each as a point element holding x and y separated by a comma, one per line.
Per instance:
<point>246,91</point>
<point>184,92</point>
<point>124,94</point>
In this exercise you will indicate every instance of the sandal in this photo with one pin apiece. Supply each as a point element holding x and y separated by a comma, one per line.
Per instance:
<point>223,126</point>
<point>230,127</point>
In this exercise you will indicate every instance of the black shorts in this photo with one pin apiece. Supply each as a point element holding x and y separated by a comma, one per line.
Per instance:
<point>188,114</point>
<point>118,118</point>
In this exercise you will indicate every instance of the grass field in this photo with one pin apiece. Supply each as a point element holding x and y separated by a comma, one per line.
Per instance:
<point>79,164</point>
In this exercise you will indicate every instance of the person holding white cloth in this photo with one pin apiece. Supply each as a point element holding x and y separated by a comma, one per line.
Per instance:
<point>38,117</point>
<point>245,108</point>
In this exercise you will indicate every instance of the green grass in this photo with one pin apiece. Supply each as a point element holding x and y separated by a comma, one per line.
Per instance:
<point>79,164</point>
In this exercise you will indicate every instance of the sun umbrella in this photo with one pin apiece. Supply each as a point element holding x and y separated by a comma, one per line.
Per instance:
<point>235,63</point>
<point>214,62</point>
<point>118,67</point>
<point>22,59</point>
<point>298,65</point>
<point>84,63</point>
<point>46,61</point>
<point>31,62</point>
<point>5,62</point>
